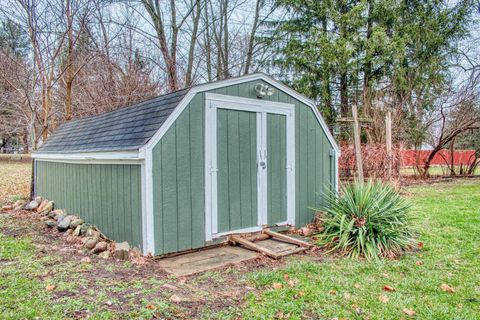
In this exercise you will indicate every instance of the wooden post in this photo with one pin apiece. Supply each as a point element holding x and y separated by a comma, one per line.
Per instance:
<point>388,141</point>
<point>356,138</point>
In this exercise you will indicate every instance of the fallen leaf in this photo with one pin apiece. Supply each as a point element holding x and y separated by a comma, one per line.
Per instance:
<point>151,307</point>
<point>277,285</point>
<point>85,260</point>
<point>291,283</point>
<point>445,287</point>
<point>359,311</point>
<point>356,285</point>
<point>388,288</point>
<point>50,287</point>
<point>419,263</point>
<point>286,276</point>
<point>346,295</point>
<point>333,292</point>
<point>108,303</point>
<point>409,312</point>
<point>384,298</point>
<point>386,275</point>
<point>301,293</point>
<point>420,245</point>
<point>175,298</point>
<point>280,315</point>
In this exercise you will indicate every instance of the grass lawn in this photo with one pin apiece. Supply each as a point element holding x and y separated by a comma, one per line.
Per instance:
<point>434,171</point>
<point>14,180</point>
<point>447,217</point>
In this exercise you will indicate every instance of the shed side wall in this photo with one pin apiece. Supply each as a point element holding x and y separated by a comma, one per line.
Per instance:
<point>106,195</point>
<point>178,183</point>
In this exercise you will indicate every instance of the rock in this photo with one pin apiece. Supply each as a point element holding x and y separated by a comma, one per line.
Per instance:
<point>56,213</point>
<point>84,228</point>
<point>71,239</point>
<point>38,199</point>
<point>121,250</point>
<point>306,231</point>
<point>104,254</point>
<point>63,224</point>
<point>45,209</point>
<point>76,232</point>
<point>41,205</point>
<point>76,222</point>
<point>50,223</point>
<point>61,217</point>
<point>32,205</point>
<point>93,232</point>
<point>100,247</point>
<point>72,217</point>
<point>69,232</point>
<point>90,242</point>
<point>7,208</point>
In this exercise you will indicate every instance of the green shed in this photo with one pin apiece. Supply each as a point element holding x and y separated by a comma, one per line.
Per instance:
<point>185,169</point>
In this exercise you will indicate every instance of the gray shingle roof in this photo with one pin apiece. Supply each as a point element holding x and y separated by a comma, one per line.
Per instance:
<point>123,129</point>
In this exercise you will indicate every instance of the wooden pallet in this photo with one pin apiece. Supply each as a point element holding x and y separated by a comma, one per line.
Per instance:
<point>267,234</point>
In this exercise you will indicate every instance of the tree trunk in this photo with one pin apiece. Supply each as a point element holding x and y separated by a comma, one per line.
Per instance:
<point>191,51</point>
<point>251,40</point>
<point>69,71</point>
<point>452,157</point>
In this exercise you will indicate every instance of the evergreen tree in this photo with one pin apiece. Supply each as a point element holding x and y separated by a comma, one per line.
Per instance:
<point>341,52</point>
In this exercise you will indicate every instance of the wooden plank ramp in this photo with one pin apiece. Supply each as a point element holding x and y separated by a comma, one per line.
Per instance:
<point>273,244</point>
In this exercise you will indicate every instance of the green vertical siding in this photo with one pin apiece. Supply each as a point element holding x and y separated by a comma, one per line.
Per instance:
<point>178,183</point>
<point>276,168</point>
<point>106,195</point>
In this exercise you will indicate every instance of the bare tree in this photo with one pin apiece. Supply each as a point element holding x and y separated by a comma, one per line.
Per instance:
<point>457,112</point>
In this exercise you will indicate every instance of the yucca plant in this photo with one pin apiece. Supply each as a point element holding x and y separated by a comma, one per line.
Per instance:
<point>367,219</point>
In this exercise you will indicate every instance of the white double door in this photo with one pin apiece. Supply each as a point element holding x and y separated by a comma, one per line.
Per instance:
<point>249,165</point>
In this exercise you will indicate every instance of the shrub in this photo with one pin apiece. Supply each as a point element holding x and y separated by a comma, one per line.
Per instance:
<point>367,219</point>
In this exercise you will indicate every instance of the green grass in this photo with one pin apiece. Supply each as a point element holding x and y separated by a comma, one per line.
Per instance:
<point>434,171</point>
<point>447,216</point>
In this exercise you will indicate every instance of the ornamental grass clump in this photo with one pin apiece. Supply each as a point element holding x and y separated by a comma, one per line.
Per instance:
<point>367,219</point>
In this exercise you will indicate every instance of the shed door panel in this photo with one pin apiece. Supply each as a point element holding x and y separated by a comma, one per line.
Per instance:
<point>276,168</point>
<point>237,169</point>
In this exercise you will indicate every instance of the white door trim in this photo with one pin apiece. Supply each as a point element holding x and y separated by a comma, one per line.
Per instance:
<point>262,108</point>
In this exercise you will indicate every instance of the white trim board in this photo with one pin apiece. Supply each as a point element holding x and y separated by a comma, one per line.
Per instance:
<point>121,155</point>
<point>93,161</point>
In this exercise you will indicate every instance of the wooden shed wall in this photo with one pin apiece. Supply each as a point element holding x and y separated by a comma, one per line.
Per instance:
<point>178,170</point>
<point>106,195</point>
